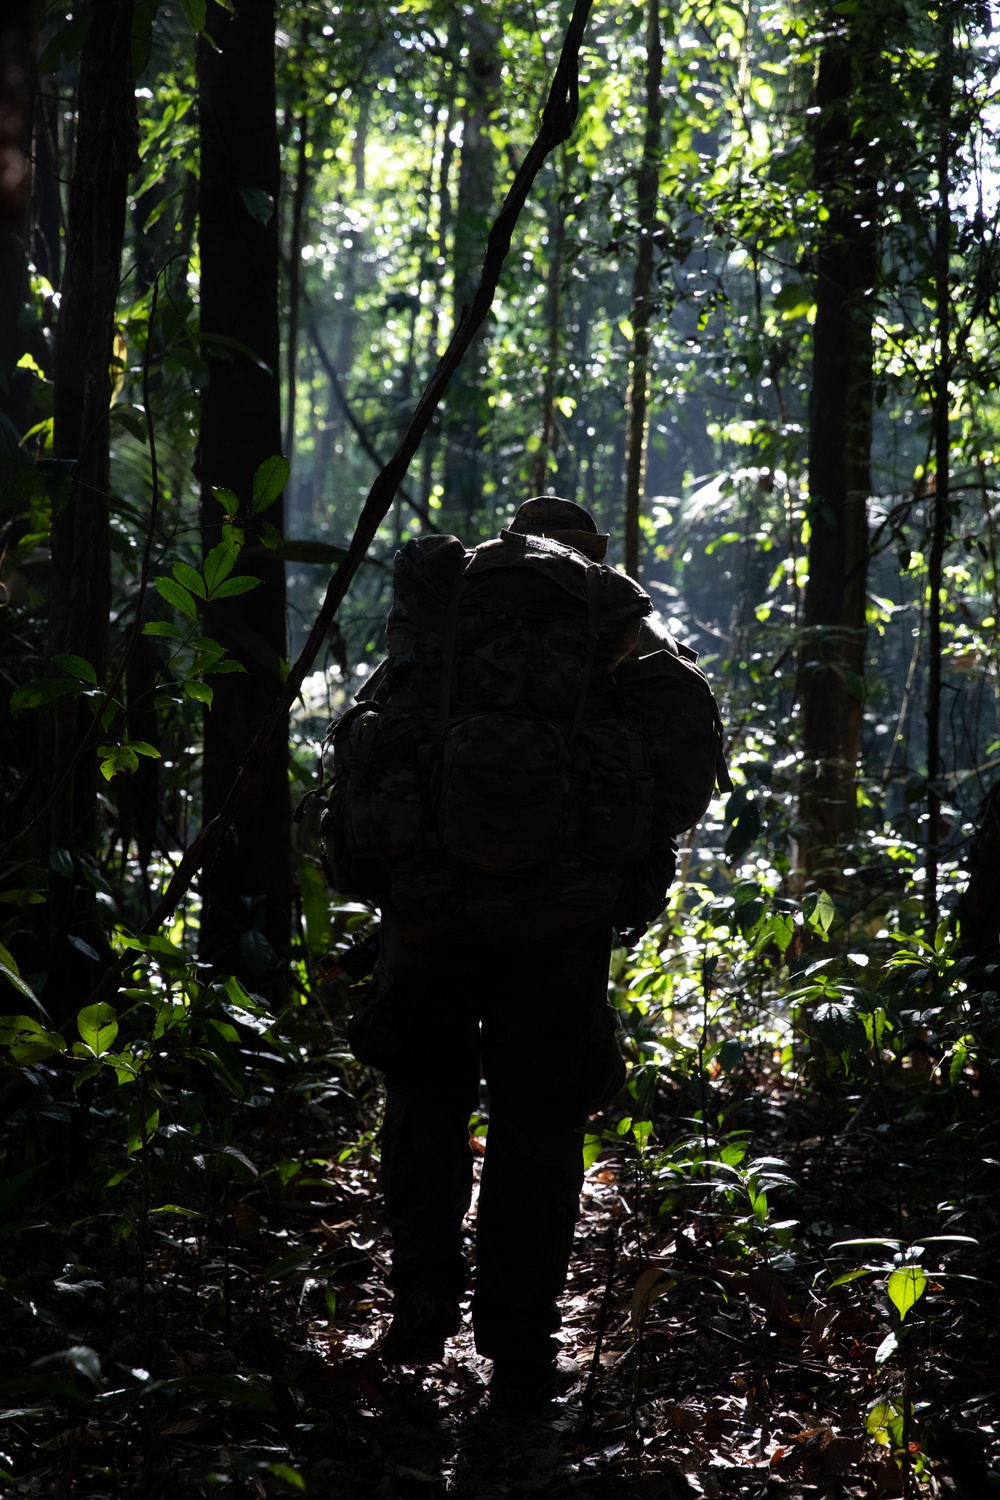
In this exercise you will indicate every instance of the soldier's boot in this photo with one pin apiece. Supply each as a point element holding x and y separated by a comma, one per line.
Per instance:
<point>519,1387</point>
<point>425,1314</point>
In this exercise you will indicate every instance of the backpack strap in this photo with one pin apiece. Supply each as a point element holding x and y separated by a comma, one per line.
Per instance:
<point>593,641</point>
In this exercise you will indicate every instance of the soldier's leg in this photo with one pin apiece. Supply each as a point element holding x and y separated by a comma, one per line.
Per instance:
<point>427,1041</point>
<point>547,1042</point>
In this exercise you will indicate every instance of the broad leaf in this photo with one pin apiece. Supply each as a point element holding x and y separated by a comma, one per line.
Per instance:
<point>906,1287</point>
<point>190,578</point>
<point>218,565</point>
<point>33,694</point>
<point>76,666</point>
<point>179,597</point>
<point>269,483</point>
<point>239,585</point>
<point>98,1027</point>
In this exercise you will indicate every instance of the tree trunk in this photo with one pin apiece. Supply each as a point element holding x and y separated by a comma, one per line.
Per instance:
<point>831,663</point>
<point>647,194</point>
<point>80,573</point>
<point>247,891</point>
<point>557,246</point>
<point>466,411</point>
<point>941,508</point>
<point>979,904</point>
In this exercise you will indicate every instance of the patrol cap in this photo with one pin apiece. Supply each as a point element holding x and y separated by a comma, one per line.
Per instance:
<point>563,521</point>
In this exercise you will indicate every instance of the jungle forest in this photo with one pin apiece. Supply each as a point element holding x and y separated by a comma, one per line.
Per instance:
<point>283,286</point>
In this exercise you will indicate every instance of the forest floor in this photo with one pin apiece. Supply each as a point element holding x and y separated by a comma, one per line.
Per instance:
<point>245,1362</point>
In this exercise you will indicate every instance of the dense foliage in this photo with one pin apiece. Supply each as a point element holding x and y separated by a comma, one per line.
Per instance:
<point>764,210</point>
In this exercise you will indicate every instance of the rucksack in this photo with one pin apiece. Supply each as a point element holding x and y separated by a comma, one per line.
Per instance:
<point>513,767</point>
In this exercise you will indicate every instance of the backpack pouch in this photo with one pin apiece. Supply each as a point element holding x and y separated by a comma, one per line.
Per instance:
<point>382,763</point>
<point>613,793</point>
<point>503,792</point>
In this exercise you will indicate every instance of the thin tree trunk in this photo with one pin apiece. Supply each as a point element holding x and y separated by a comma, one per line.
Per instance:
<point>247,891</point>
<point>431,441</point>
<point>979,905</point>
<point>295,272</point>
<point>831,664</point>
<point>941,505</point>
<point>465,406</point>
<point>80,574</point>
<point>557,244</point>
<point>647,194</point>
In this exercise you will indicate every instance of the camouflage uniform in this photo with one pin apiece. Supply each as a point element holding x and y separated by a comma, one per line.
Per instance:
<point>528,1011</point>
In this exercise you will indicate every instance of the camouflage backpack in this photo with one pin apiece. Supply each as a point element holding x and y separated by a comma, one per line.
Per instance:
<point>514,766</point>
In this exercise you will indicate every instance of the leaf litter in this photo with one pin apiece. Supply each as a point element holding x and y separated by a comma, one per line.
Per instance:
<point>247,1362</point>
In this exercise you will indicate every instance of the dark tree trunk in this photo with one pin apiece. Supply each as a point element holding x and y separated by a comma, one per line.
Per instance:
<point>979,905</point>
<point>831,664</point>
<point>247,891</point>
<point>941,507</point>
<point>80,573</point>
<point>466,411</point>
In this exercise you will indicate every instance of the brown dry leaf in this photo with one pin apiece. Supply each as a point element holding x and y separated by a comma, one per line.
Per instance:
<point>247,1218</point>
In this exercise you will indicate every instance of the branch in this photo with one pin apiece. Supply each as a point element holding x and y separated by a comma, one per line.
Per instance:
<point>358,430</point>
<point>558,118</point>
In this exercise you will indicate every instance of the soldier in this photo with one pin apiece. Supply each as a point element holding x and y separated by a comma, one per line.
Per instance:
<point>522,1004</point>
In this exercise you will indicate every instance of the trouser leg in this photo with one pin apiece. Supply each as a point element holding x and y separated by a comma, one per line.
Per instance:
<point>427,1031</point>
<point>538,1055</point>
<point>427,1175</point>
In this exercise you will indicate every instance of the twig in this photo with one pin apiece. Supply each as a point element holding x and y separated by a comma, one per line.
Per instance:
<point>602,1323</point>
<point>358,429</point>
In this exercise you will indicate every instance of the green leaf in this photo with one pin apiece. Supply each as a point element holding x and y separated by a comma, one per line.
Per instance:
<point>652,1284</point>
<point>229,665</point>
<point>879,1419</point>
<point>906,1287</point>
<point>10,972</point>
<point>141,1125</point>
<point>76,666</point>
<point>199,691</point>
<point>731,1054</point>
<point>98,1027</point>
<point>820,912</point>
<point>190,578</point>
<point>232,536</point>
<point>258,204</point>
<point>163,627</point>
<point>28,1041</point>
<point>242,584</point>
<point>141,748</point>
<point>195,12</point>
<point>289,1475</point>
<point>288,1264</point>
<point>886,1349</point>
<point>117,760</point>
<point>591,1149</point>
<point>67,44</point>
<point>269,482</point>
<point>228,499</point>
<point>218,565</point>
<point>854,1275</point>
<point>179,597</point>
<point>33,694</point>
<point>836,1024</point>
